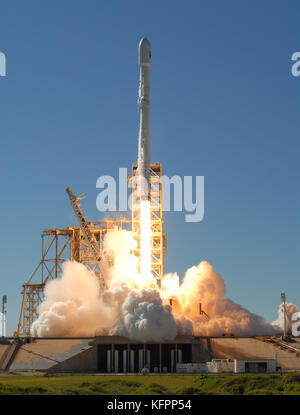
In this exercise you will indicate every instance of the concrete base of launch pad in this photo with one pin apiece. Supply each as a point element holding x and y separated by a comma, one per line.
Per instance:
<point>113,354</point>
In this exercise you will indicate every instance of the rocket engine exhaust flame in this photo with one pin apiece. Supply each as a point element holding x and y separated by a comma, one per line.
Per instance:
<point>145,238</point>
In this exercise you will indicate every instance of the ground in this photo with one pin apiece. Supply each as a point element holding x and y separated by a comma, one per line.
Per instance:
<point>48,384</point>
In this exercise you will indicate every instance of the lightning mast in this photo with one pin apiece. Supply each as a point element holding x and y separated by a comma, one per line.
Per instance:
<point>283,299</point>
<point>4,311</point>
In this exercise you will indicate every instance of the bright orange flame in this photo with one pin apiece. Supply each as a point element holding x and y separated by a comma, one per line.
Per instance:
<point>145,239</point>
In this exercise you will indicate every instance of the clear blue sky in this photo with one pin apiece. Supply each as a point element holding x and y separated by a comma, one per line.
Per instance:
<point>224,105</point>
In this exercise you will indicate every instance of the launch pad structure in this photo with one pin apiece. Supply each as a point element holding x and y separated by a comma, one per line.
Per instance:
<point>70,243</point>
<point>158,240</point>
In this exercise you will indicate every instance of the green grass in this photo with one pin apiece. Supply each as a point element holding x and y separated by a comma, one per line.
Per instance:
<point>247,384</point>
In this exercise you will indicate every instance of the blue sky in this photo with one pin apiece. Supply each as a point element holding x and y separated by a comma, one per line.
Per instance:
<point>224,105</point>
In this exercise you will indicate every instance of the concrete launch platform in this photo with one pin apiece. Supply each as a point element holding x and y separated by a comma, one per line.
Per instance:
<point>120,355</point>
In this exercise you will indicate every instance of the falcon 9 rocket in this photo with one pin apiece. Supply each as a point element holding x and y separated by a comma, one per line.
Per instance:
<point>143,173</point>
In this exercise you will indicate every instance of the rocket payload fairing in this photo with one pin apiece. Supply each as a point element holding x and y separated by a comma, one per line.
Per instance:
<point>143,172</point>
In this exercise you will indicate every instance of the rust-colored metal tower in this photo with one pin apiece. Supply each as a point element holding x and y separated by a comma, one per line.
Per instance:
<point>158,240</point>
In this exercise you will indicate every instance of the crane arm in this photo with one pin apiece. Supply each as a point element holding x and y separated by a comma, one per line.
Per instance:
<point>89,237</point>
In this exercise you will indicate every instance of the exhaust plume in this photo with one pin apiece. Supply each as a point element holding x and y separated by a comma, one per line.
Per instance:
<point>72,306</point>
<point>135,307</point>
<point>279,323</point>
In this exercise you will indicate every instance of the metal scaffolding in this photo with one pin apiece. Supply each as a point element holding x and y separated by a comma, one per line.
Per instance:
<point>158,240</point>
<point>59,245</point>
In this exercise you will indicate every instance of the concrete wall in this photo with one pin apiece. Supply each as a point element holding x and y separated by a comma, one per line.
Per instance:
<point>253,349</point>
<point>85,361</point>
<point>4,349</point>
<point>200,351</point>
<point>42,354</point>
<point>220,366</point>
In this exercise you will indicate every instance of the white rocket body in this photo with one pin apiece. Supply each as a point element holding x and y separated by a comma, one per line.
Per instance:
<point>143,169</point>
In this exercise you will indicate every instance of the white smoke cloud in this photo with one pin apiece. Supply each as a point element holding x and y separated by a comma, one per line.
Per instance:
<point>143,317</point>
<point>72,306</point>
<point>279,323</point>
<point>135,307</point>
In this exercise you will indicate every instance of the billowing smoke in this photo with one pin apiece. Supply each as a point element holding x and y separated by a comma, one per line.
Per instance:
<point>134,306</point>
<point>72,306</point>
<point>202,284</point>
<point>143,317</point>
<point>279,323</point>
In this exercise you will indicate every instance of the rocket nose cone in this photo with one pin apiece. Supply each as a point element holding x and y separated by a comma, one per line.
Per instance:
<point>144,52</point>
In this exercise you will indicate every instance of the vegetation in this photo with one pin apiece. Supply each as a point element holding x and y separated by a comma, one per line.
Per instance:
<point>61,384</point>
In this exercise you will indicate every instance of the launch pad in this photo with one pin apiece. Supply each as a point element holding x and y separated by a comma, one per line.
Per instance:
<point>114,354</point>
